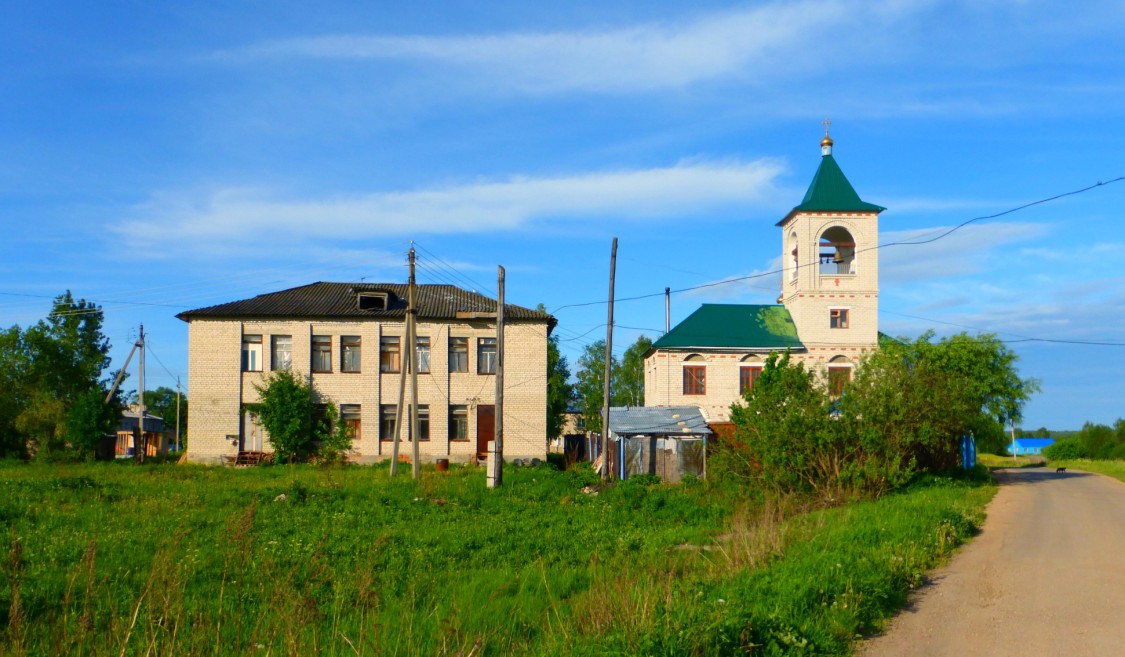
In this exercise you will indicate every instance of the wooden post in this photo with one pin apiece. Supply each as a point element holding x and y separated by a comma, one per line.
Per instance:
<point>412,338</point>
<point>667,310</point>
<point>608,361</point>
<point>138,443</point>
<point>496,459</point>
<point>401,383</point>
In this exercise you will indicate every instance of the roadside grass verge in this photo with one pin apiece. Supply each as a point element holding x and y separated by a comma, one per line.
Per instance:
<point>1115,469</point>
<point>993,461</point>
<point>104,559</point>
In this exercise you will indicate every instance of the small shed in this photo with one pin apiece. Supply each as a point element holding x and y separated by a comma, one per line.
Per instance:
<point>155,440</point>
<point>1026,445</point>
<point>667,441</point>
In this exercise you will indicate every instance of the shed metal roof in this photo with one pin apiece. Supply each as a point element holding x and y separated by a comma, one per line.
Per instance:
<point>657,420</point>
<point>338,301</point>
<point>718,325</point>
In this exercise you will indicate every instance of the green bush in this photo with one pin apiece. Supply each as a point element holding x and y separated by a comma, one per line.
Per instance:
<point>1068,448</point>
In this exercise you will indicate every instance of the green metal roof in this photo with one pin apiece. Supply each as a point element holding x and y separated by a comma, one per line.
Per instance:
<point>830,191</point>
<point>716,325</point>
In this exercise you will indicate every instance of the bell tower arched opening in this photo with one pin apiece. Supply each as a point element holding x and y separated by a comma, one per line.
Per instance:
<point>837,252</point>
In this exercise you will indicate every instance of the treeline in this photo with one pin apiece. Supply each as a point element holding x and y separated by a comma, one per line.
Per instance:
<point>904,411</point>
<point>1094,441</point>
<point>52,388</point>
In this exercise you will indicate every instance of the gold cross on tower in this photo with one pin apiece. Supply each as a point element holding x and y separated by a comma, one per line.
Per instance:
<point>826,123</point>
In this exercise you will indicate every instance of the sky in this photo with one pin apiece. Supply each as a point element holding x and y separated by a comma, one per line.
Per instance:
<point>162,156</point>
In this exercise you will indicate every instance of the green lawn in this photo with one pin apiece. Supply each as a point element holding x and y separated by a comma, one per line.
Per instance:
<point>106,559</point>
<point>1115,469</point>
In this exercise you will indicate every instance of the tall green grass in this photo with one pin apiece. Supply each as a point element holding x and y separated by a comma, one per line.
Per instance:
<point>1115,469</point>
<point>166,560</point>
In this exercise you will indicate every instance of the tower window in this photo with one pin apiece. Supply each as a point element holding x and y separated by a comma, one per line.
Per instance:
<point>838,318</point>
<point>837,252</point>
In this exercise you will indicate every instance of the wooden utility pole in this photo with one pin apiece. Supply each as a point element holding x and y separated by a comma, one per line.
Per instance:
<point>177,413</point>
<point>401,380</point>
<point>608,361</point>
<point>139,441</point>
<point>496,459</point>
<point>412,337</point>
<point>667,310</point>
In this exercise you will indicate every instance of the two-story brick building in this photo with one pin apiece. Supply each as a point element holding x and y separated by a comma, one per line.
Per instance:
<point>827,315</point>
<point>348,340</point>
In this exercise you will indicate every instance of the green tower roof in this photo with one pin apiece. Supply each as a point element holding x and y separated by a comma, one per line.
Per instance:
<point>727,325</point>
<point>830,191</point>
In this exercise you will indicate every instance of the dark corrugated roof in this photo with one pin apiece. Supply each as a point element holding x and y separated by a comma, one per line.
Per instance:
<point>716,325</point>
<point>338,301</point>
<point>657,420</point>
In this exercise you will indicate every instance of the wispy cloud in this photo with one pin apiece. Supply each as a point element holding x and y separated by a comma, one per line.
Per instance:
<point>220,219</point>
<point>769,40</point>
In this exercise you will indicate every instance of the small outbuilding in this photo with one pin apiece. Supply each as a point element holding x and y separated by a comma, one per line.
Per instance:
<point>667,441</point>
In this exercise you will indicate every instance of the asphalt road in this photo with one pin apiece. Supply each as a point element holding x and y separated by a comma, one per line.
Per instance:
<point>1046,576</point>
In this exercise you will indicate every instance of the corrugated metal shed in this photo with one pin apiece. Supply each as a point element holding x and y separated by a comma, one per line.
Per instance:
<point>339,300</point>
<point>716,325</point>
<point>657,421</point>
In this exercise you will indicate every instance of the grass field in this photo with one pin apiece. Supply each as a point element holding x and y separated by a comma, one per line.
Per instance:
<point>108,559</point>
<point>1115,469</point>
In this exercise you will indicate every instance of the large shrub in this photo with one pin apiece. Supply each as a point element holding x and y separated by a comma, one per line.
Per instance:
<point>1067,448</point>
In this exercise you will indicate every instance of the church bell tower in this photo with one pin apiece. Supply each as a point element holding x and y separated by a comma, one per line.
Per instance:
<point>830,282</point>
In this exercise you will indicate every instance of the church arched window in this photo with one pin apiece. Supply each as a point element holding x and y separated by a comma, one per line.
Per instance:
<point>837,252</point>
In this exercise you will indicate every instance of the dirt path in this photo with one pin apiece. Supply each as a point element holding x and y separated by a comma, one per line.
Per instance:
<point>1046,576</point>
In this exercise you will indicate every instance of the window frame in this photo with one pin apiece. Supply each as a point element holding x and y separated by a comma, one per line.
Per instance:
<point>347,344</point>
<point>837,383</point>
<point>839,318</point>
<point>695,380</point>
<point>274,351</point>
<point>386,354</point>
<point>748,377</point>
<point>482,355</point>
<point>352,416</point>
<point>423,365</point>
<point>387,413</point>
<point>325,354</point>
<point>456,412</point>
<point>248,363</point>
<point>458,346</point>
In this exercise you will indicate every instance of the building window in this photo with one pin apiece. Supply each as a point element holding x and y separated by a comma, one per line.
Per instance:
<point>838,318</point>
<point>486,355</point>
<point>458,354</point>
<point>349,353</point>
<point>458,422</point>
<point>387,417</point>
<point>423,422</point>
<point>695,380</point>
<point>838,377</point>
<point>423,355</point>
<point>747,377</point>
<point>350,414</point>
<point>322,353</point>
<point>390,353</point>
<point>281,352</point>
<point>251,353</point>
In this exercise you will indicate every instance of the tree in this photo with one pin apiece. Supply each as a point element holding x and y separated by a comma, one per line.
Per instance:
<point>906,410</point>
<point>52,369</point>
<point>560,392</point>
<point>297,429</point>
<point>590,388</point>
<point>286,412</point>
<point>630,380</point>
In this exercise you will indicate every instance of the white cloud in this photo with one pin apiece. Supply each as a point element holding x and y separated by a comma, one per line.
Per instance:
<point>766,41</point>
<point>222,219</point>
<point>964,251</point>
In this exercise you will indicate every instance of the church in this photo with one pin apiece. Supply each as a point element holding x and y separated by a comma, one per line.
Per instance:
<point>827,315</point>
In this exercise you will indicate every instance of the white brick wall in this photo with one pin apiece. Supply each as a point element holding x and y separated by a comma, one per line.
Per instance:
<point>219,385</point>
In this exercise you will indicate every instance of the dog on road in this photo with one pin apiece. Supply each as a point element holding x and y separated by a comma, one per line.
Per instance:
<point>1063,469</point>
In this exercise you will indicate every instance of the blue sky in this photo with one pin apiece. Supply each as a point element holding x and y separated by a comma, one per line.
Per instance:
<point>162,156</point>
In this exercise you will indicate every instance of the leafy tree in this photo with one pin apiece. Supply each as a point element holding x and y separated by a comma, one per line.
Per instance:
<point>285,408</point>
<point>1068,448</point>
<point>630,380</point>
<point>13,393</point>
<point>560,391</point>
<point>89,421</point>
<point>296,431</point>
<point>590,387</point>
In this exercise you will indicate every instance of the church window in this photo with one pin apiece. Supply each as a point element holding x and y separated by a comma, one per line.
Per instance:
<point>838,318</point>
<point>839,374</point>
<point>837,252</point>
<point>747,377</point>
<point>695,380</point>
